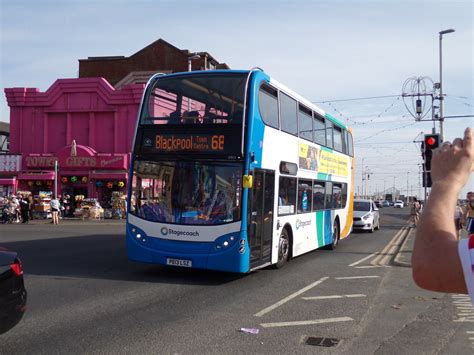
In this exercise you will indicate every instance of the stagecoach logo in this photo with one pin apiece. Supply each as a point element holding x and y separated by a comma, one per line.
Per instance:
<point>148,142</point>
<point>302,224</point>
<point>166,231</point>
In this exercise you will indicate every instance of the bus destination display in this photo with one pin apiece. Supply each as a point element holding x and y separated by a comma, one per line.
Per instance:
<point>222,143</point>
<point>204,143</point>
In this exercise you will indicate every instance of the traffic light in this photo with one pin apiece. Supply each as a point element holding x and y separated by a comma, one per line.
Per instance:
<point>430,142</point>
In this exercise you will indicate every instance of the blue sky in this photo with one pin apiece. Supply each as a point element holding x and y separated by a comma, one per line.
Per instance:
<point>324,50</point>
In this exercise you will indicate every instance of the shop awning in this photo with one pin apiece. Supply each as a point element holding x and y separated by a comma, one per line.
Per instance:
<point>108,175</point>
<point>8,181</point>
<point>43,175</point>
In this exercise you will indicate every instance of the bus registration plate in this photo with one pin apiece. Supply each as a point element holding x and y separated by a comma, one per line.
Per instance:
<point>179,262</point>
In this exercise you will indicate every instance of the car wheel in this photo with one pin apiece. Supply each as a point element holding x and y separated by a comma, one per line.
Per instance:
<point>283,249</point>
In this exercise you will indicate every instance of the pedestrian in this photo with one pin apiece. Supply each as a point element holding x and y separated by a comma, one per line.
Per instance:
<point>439,261</point>
<point>25,209</point>
<point>55,210</point>
<point>415,212</point>
<point>469,213</point>
<point>458,219</point>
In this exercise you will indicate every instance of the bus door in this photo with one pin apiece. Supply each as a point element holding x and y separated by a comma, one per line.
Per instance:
<point>260,227</point>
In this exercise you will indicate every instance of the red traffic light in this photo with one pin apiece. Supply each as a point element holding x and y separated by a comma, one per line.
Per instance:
<point>431,141</point>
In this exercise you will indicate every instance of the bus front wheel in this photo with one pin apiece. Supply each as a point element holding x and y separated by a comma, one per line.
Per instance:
<point>283,249</point>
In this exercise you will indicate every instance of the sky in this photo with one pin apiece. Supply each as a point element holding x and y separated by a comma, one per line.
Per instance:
<point>351,58</point>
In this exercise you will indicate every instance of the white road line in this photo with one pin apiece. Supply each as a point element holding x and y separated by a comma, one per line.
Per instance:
<point>368,267</point>
<point>306,322</point>
<point>363,259</point>
<point>357,277</point>
<point>470,332</point>
<point>332,297</point>
<point>471,338</point>
<point>290,297</point>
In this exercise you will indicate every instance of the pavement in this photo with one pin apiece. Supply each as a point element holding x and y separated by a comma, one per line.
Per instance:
<point>78,221</point>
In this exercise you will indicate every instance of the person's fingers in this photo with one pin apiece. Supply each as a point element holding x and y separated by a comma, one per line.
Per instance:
<point>445,146</point>
<point>458,142</point>
<point>469,140</point>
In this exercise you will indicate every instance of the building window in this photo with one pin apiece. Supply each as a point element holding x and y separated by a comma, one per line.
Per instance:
<point>289,122</point>
<point>268,104</point>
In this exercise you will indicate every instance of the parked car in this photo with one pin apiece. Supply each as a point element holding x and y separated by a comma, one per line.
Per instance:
<point>398,204</point>
<point>366,216</point>
<point>12,290</point>
<point>385,203</point>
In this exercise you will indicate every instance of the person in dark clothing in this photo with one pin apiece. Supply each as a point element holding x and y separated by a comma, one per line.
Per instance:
<point>25,210</point>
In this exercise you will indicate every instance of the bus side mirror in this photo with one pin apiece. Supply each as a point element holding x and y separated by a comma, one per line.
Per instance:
<point>247,181</point>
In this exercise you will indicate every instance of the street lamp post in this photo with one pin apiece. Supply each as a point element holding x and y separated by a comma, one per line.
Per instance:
<point>441,98</point>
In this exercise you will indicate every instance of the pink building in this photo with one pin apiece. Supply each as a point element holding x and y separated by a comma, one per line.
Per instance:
<point>84,125</point>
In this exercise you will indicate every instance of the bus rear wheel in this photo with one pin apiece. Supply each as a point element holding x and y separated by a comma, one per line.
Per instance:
<point>335,236</point>
<point>283,249</point>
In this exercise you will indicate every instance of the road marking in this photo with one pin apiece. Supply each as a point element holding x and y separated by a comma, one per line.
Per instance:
<point>369,267</point>
<point>306,322</point>
<point>290,297</point>
<point>332,297</point>
<point>363,259</point>
<point>470,332</point>
<point>383,258</point>
<point>357,277</point>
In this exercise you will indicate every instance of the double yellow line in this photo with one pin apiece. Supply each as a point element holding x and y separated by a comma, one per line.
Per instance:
<point>384,257</point>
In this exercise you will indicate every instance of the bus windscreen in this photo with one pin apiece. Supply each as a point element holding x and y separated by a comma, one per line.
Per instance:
<point>186,192</point>
<point>195,99</point>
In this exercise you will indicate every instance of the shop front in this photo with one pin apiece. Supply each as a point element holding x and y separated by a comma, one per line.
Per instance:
<point>82,173</point>
<point>10,165</point>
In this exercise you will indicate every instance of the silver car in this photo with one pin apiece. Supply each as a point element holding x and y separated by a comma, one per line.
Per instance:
<point>366,216</point>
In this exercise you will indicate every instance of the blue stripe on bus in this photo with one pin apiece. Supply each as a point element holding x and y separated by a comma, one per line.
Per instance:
<point>327,227</point>
<point>256,128</point>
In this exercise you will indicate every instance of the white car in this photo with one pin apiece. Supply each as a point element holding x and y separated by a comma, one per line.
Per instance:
<point>398,204</point>
<point>366,216</point>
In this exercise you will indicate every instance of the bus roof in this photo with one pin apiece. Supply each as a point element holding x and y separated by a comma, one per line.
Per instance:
<point>279,85</point>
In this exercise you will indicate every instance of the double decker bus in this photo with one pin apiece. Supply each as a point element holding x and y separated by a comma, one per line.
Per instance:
<point>233,171</point>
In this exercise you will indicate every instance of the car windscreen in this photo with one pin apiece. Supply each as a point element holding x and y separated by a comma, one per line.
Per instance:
<point>361,206</point>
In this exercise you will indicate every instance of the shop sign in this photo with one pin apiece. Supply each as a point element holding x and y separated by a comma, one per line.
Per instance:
<point>10,163</point>
<point>77,162</point>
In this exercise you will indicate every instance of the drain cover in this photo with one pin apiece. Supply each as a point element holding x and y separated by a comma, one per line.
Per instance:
<point>320,341</point>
